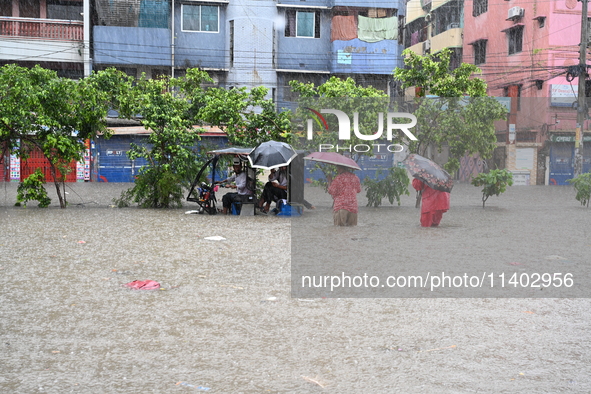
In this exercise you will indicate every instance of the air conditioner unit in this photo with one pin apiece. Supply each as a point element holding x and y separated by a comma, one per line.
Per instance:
<point>515,12</point>
<point>426,45</point>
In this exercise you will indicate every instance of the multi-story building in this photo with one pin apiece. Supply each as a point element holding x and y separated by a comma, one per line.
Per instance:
<point>51,33</point>
<point>240,43</point>
<point>54,34</point>
<point>526,52</point>
<point>432,25</point>
<point>252,43</point>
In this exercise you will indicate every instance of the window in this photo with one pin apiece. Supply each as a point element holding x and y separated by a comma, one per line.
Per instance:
<point>513,91</point>
<point>5,8</point>
<point>415,32</point>
<point>448,16</point>
<point>455,60</point>
<point>515,36</point>
<point>479,48</point>
<point>231,43</point>
<point>479,7</point>
<point>29,9</point>
<point>59,9</point>
<point>200,18</point>
<point>302,24</point>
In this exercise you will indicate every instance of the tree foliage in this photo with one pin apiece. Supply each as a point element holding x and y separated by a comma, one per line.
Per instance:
<point>582,184</point>
<point>452,108</point>
<point>169,108</point>
<point>166,107</point>
<point>494,182</point>
<point>246,116</point>
<point>41,111</point>
<point>393,186</point>
<point>31,189</point>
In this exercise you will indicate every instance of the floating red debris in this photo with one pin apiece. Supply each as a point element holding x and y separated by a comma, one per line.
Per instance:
<point>144,285</point>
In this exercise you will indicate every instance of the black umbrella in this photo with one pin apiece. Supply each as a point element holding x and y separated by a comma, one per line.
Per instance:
<point>429,172</point>
<point>271,154</point>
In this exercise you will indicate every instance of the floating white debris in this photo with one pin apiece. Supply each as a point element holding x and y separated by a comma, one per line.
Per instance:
<point>215,238</point>
<point>555,257</point>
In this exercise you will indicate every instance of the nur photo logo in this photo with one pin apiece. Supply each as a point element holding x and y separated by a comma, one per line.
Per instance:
<point>392,124</point>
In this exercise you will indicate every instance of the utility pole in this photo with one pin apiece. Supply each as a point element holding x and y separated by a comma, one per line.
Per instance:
<point>582,105</point>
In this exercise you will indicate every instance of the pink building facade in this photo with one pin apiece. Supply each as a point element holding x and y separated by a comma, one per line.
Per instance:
<point>525,50</point>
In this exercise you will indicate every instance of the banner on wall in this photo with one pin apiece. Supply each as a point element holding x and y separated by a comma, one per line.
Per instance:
<point>15,166</point>
<point>563,95</point>
<point>83,167</point>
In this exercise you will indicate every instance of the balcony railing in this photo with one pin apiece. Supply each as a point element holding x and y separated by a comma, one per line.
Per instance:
<point>52,29</point>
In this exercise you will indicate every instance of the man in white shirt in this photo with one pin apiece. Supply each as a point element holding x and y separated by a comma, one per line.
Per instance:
<point>240,183</point>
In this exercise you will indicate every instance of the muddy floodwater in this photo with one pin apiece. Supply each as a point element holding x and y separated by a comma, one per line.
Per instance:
<point>225,319</point>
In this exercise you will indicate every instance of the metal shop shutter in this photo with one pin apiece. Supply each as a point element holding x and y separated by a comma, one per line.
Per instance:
<point>37,160</point>
<point>113,165</point>
<point>561,163</point>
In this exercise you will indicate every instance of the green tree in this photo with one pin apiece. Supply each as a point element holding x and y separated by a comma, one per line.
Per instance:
<point>166,107</point>
<point>32,189</point>
<point>461,116</point>
<point>245,115</point>
<point>494,182</point>
<point>172,109</point>
<point>40,111</point>
<point>582,184</point>
<point>393,186</point>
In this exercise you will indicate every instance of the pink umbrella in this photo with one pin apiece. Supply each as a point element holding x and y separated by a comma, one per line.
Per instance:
<point>429,172</point>
<point>333,158</point>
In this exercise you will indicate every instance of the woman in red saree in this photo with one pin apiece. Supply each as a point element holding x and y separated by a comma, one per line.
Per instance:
<point>434,203</point>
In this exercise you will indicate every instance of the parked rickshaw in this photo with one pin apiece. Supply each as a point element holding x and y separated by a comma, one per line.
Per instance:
<point>203,190</point>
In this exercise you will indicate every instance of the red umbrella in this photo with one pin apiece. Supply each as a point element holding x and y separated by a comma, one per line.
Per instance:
<point>333,158</point>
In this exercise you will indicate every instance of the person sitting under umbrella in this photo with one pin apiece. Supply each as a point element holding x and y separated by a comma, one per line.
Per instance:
<point>240,179</point>
<point>434,203</point>
<point>275,189</point>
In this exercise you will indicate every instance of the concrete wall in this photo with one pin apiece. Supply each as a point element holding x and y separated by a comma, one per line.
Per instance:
<point>303,53</point>
<point>201,49</point>
<point>131,46</point>
<point>254,37</point>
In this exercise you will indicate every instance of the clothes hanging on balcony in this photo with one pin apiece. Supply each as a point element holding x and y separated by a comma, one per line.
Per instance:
<point>377,29</point>
<point>343,28</point>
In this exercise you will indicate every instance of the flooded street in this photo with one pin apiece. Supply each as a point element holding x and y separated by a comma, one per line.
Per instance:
<point>226,319</point>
